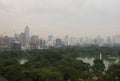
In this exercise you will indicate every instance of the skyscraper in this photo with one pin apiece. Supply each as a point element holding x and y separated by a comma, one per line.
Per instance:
<point>22,39</point>
<point>59,42</point>
<point>27,37</point>
<point>50,37</point>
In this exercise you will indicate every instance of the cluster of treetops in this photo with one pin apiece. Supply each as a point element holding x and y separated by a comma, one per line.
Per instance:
<point>58,64</point>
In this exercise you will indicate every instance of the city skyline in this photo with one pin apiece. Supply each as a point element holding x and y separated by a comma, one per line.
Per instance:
<point>78,18</point>
<point>26,41</point>
<point>29,34</point>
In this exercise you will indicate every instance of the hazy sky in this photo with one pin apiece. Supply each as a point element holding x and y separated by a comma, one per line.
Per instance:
<point>60,17</point>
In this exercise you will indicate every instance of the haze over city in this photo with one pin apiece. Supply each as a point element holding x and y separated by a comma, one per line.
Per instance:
<point>60,17</point>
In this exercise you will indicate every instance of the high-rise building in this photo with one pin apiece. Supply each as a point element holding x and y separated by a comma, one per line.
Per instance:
<point>27,36</point>
<point>4,43</point>
<point>42,44</point>
<point>109,40</point>
<point>50,37</point>
<point>99,41</point>
<point>15,45</point>
<point>22,39</point>
<point>34,43</point>
<point>66,40</point>
<point>59,42</point>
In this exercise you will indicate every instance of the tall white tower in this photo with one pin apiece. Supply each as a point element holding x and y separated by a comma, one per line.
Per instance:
<point>100,56</point>
<point>27,36</point>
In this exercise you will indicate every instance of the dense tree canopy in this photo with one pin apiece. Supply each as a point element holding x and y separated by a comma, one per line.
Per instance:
<point>98,65</point>
<point>58,64</point>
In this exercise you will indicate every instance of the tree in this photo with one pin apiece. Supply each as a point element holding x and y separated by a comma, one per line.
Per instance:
<point>98,65</point>
<point>114,72</point>
<point>81,66</point>
<point>70,73</point>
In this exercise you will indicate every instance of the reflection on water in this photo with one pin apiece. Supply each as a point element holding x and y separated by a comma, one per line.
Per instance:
<point>117,61</point>
<point>23,61</point>
<point>87,60</point>
<point>90,61</point>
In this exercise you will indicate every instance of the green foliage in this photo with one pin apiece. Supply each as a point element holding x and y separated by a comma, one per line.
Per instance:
<point>114,72</point>
<point>81,66</point>
<point>98,65</point>
<point>58,64</point>
<point>70,73</point>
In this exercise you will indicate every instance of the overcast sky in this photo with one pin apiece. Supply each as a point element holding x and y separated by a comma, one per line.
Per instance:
<point>60,17</point>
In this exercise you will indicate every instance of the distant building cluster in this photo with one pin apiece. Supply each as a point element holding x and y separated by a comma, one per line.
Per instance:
<point>24,41</point>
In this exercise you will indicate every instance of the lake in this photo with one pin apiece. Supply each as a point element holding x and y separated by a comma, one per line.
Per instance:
<point>91,59</point>
<point>23,61</point>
